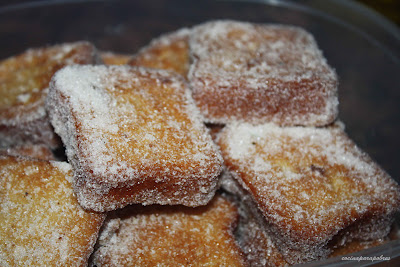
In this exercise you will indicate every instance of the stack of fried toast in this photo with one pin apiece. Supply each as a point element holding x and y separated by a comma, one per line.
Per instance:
<point>215,145</point>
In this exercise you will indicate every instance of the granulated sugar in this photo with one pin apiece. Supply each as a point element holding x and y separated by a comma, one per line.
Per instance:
<point>41,222</point>
<point>260,73</point>
<point>127,127</point>
<point>309,183</point>
<point>170,236</point>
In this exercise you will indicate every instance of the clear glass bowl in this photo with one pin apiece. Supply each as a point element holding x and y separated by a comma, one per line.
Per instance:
<point>362,46</point>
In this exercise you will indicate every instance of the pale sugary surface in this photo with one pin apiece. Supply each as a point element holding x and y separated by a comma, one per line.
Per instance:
<point>260,73</point>
<point>170,236</point>
<point>133,128</point>
<point>24,82</point>
<point>309,183</point>
<point>41,222</point>
<point>170,51</point>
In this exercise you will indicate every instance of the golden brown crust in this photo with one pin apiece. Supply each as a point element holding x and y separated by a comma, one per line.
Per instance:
<point>170,236</point>
<point>169,51</point>
<point>24,81</point>
<point>113,58</point>
<point>41,222</point>
<point>133,135</point>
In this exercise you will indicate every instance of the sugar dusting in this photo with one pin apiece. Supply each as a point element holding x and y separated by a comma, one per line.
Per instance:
<point>41,221</point>
<point>309,183</point>
<point>170,236</point>
<point>279,68</point>
<point>124,125</point>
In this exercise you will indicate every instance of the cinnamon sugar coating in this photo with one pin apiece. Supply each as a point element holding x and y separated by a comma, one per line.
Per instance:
<point>133,135</point>
<point>260,73</point>
<point>170,236</point>
<point>310,185</point>
<point>24,81</point>
<point>254,238</point>
<point>170,51</point>
<point>41,222</point>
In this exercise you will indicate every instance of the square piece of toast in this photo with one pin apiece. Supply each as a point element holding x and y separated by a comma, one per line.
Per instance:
<point>255,241</point>
<point>260,73</point>
<point>170,236</point>
<point>24,82</point>
<point>133,135</point>
<point>41,222</point>
<point>310,185</point>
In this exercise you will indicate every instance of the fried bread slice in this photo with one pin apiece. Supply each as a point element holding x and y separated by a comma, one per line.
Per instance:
<point>41,222</point>
<point>310,185</point>
<point>36,151</point>
<point>256,243</point>
<point>170,51</point>
<point>170,236</point>
<point>133,135</point>
<point>260,250</point>
<point>24,81</point>
<point>114,58</point>
<point>260,73</point>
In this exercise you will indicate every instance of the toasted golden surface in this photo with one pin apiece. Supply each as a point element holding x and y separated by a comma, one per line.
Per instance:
<point>24,81</point>
<point>41,222</point>
<point>169,51</point>
<point>133,135</point>
<point>113,58</point>
<point>309,183</point>
<point>170,236</point>
<point>260,73</point>
<point>36,151</point>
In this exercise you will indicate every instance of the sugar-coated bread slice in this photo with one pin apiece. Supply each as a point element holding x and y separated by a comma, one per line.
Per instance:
<point>255,241</point>
<point>310,185</point>
<point>114,58</point>
<point>260,73</point>
<point>36,151</point>
<point>24,82</point>
<point>170,51</point>
<point>170,236</point>
<point>133,135</point>
<point>41,222</point>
